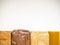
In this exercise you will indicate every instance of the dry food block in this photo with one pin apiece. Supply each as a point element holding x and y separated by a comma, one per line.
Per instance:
<point>54,38</point>
<point>5,38</point>
<point>39,38</point>
<point>20,37</point>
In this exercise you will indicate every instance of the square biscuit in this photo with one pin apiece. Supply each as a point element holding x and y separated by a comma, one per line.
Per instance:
<point>5,38</point>
<point>39,38</point>
<point>20,37</point>
<point>54,38</point>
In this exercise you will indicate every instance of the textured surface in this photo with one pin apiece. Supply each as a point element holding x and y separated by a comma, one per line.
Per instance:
<point>20,37</point>
<point>54,38</point>
<point>39,38</point>
<point>5,38</point>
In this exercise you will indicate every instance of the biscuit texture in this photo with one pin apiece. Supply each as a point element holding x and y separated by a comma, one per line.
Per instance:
<point>39,38</point>
<point>54,38</point>
<point>20,37</point>
<point>5,38</point>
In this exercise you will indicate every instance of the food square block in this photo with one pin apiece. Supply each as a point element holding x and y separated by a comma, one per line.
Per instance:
<point>20,37</point>
<point>5,38</point>
<point>39,38</point>
<point>54,38</point>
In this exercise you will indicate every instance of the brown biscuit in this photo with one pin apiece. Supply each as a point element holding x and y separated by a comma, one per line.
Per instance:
<point>5,38</point>
<point>20,37</point>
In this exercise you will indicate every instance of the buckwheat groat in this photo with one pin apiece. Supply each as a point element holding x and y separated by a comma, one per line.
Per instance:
<point>20,37</point>
<point>5,38</point>
<point>39,38</point>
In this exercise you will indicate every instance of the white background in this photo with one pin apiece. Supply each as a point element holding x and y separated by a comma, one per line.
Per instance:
<point>34,15</point>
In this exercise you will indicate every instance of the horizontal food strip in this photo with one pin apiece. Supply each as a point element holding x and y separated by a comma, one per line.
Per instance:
<point>26,37</point>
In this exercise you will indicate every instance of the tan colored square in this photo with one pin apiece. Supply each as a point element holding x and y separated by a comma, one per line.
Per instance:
<point>5,38</point>
<point>39,38</point>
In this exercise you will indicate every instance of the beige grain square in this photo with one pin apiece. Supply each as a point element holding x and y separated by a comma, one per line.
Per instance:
<point>39,38</point>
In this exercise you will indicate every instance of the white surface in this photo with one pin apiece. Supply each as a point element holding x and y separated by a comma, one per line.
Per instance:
<point>34,15</point>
